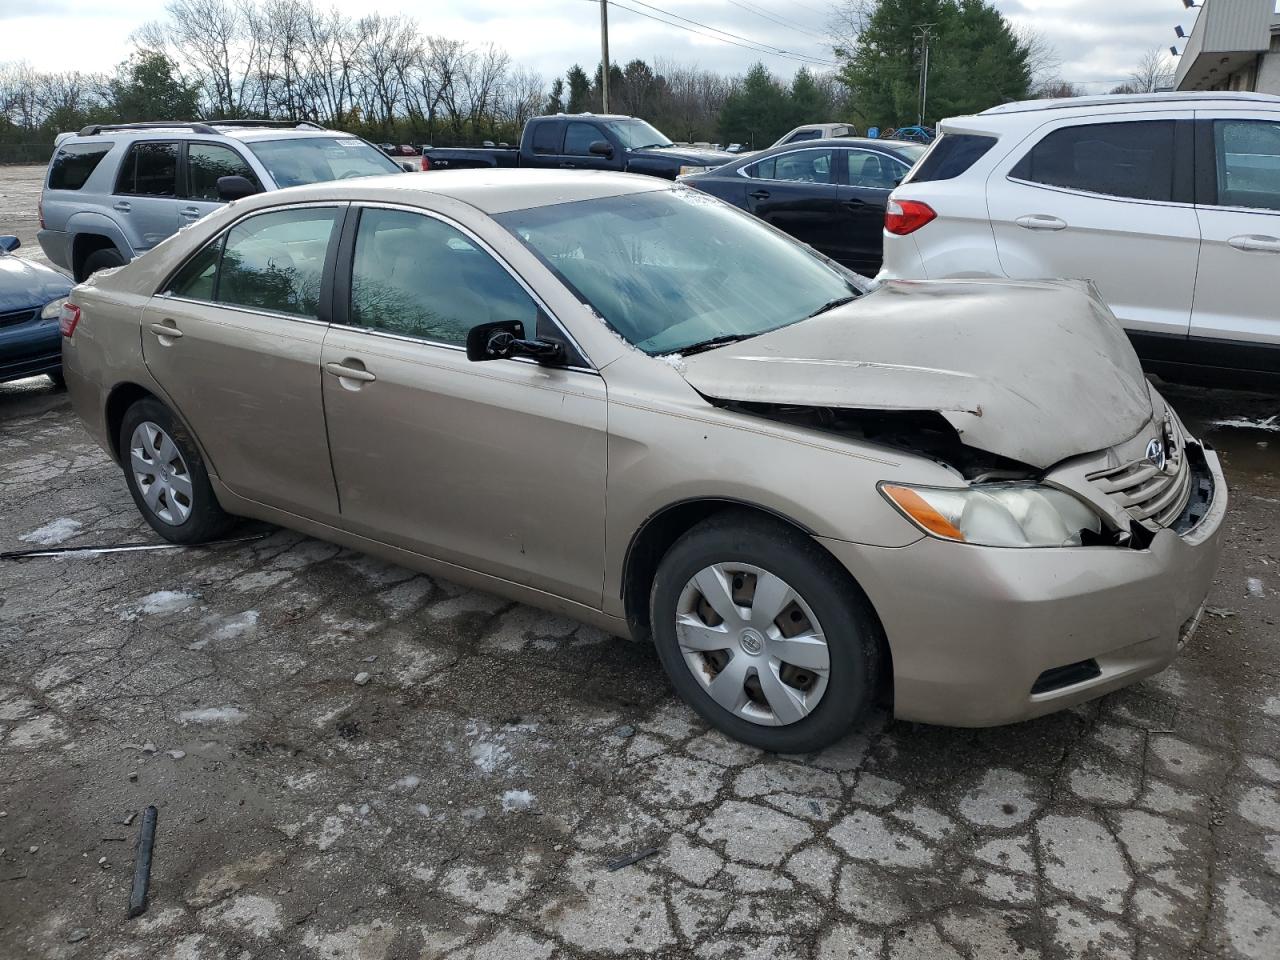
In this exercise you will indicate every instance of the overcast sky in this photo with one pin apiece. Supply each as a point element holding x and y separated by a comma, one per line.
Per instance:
<point>1099,41</point>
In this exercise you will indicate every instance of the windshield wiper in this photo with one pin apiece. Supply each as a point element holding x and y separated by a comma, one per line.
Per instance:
<point>714,342</point>
<point>831,305</point>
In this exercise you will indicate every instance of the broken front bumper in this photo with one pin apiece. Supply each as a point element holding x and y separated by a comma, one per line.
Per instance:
<point>981,636</point>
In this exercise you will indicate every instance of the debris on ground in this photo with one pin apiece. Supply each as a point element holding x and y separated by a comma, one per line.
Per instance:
<point>630,858</point>
<point>142,863</point>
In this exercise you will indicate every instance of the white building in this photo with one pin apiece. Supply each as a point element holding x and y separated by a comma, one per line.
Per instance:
<point>1235,45</point>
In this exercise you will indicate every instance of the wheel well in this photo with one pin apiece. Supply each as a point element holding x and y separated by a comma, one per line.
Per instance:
<point>85,244</point>
<point>651,543</point>
<point>121,399</point>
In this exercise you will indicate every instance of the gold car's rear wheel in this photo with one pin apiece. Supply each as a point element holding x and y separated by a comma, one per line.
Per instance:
<point>764,634</point>
<point>167,477</point>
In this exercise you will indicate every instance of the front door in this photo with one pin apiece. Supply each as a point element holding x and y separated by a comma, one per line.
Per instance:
<point>235,344</point>
<point>1108,202</point>
<point>1240,229</point>
<point>797,192</point>
<point>145,201</point>
<point>206,162</point>
<point>497,466</point>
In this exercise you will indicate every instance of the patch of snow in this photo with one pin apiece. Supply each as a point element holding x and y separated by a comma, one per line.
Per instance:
<point>1271,424</point>
<point>166,601</point>
<point>675,361</point>
<point>407,784</point>
<point>1254,586</point>
<point>213,715</point>
<point>489,756</point>
<point>514,800</point>
<point>53,533</point>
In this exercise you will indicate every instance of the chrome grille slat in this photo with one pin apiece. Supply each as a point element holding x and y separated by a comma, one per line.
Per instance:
<point>1149,494</point>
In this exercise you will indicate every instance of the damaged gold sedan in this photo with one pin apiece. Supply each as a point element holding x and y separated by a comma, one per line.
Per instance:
<point>627,402</point>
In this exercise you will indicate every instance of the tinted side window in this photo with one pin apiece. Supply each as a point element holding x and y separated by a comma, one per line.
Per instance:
<point>419,277</point>
<point>579,137</point>
<point>805,166</point>
<point>547,137</point>
<point>150,170</point>
<point>868,169</point>
<point>1248,163</point>
<point>275,261</point>
<point>206,162</point>
<point>952,155</point>
<point>1116,159</point>
<point>806,135</point>
<point>73,164</point>
<point>196,279</point>
<point>762,170</point>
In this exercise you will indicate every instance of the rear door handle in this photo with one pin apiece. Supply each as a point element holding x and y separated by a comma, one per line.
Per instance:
<point>1256,242</point>
<point>166,331</point>
<point>1041,221</point>
<point>124,206</point>
<point>759,195</point>
<point>350,373</point>
<point>854,202</point>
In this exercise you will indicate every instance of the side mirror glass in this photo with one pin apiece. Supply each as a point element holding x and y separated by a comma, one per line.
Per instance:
<point>236,188</point>
<point>601,148</point>
<point>504,339</point>
<point>9,243</point>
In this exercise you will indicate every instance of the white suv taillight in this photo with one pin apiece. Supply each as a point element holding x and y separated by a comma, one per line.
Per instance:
<point>69,319</point>
<point>902,217</point>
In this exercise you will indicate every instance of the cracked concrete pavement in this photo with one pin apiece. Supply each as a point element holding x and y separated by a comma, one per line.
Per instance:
<point>466,800</point>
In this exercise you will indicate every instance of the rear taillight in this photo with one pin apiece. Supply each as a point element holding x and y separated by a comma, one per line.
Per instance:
<point>69,319</point>
<point>902,217</point>
<point>426,162</point>
<point>40,212</point>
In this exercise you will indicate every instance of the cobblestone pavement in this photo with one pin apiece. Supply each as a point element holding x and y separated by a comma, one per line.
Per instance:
<point>466,800</point>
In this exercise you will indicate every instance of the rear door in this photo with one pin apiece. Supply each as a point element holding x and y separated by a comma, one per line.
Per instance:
<point>145,199</point>
<point>235,343</point>
<point>798,192</point>
<point>1238,180</point>
<point>205,163</point>
<point>546,144</point>
<point>870,177</point>
<point>1109,202</point>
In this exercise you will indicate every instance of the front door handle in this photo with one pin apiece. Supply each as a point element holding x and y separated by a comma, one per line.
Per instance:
<point>350,373</point>
<point>191,213</point>
<point>854,202</point>
<point>124,206</point>
<point>1041,221</point>
<point>167,331</point>
<point>1256,242</point>
<point>759,195</point>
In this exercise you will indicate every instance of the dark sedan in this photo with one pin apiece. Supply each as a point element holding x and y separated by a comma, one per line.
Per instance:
<point>31,298</point>
<point>828,193</point>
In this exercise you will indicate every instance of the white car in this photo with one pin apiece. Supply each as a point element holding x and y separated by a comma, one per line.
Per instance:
<point>1170,203</point>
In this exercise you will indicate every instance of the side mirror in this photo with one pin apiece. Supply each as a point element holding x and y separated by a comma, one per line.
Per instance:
<point>9,243</point>
<point>236,188</point>
<point>408,166</point>
<point>601,148</point>
<point>504,339</point>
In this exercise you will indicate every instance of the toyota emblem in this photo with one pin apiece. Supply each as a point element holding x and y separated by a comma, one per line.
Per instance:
<point>1156,453</point>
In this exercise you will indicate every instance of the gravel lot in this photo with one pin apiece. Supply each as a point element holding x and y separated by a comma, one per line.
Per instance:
<point>467,799</point>
<point>19,194</point>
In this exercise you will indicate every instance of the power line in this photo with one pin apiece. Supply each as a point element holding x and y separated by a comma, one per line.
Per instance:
<point>737,40</point>
<point>789,24</point>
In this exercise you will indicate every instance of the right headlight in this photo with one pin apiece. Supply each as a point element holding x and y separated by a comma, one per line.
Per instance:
<point>996,514</point>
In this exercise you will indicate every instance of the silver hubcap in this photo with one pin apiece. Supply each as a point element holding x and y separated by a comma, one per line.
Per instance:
<point>161,473</point>
<point>753,643</point>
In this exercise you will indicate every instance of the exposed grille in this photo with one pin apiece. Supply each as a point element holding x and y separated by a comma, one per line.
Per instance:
<point>1153,495</point>
<point>21,316</point>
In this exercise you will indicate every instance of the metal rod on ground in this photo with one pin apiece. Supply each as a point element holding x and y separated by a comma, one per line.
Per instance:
<point>142,863</point>
<point>604,56</point>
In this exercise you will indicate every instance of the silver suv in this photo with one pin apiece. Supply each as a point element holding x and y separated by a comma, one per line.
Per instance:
<point>114,191</point>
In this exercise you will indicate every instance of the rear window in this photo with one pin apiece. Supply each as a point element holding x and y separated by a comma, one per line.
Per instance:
<point>150,170</point>
<point>952,155</point>
<point>1132,160</point>
<point>73,163</point>
<point>547,137</point>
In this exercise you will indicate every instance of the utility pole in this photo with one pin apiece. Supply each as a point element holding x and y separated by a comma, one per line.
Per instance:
<point>604,56</point>
<point>924,32</point>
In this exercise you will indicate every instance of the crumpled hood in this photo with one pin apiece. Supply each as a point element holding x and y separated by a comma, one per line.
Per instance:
<point>1036,371</point>
<point>25,285</point>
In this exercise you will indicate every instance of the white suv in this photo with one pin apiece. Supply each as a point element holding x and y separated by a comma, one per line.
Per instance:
<point>1170,203</point>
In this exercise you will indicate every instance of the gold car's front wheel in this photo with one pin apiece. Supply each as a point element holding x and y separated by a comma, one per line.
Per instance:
<point>763,633</point>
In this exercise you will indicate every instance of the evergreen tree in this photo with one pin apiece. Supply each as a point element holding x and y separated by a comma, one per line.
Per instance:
<point>148,86</point>
<point>555,102</point>
<point>757,112</point>
<point>579,90</point>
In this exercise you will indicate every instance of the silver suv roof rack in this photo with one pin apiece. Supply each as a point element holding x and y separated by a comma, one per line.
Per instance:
<point>206,127</point>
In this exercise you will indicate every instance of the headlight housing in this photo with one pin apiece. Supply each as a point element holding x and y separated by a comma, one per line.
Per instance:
<point>997,514</point>
<point>689,168</point>
<point>53,309</point>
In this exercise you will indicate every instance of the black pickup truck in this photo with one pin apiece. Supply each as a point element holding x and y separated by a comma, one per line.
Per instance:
<point>584,141</point>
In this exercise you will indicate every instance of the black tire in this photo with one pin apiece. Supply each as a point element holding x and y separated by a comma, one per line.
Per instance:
<point>851,629</point>
<point>206,520</point>
<point>100,260</point>
<point>59,381</point>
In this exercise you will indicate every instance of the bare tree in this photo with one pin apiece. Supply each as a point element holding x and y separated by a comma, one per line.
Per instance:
<point>1154,72</point>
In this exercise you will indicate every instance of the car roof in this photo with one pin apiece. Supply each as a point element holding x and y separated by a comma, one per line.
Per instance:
<point>249,132</point>
<point>872,142</point>
<point>1130,99</point>
<point>491,190</point>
